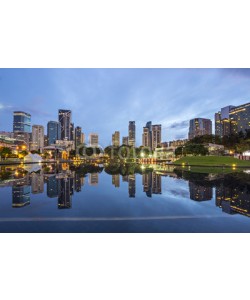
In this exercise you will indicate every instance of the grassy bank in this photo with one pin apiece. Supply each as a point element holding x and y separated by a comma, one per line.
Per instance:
<point>212,161</point>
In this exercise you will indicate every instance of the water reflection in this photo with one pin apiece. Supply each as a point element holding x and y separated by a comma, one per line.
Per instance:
<point>231,192</point>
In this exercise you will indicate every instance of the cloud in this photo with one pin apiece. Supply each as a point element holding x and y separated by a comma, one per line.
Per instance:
<point>179,125</point>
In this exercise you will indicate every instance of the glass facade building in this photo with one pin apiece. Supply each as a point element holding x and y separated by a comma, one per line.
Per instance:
<point>21,121</point>
<point>53,132</point>
<point>64,118</point>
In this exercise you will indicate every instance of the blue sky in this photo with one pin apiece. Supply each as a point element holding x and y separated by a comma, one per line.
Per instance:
<point>105,100</point>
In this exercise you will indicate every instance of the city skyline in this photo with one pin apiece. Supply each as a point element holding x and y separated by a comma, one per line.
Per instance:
<point>95,95</point>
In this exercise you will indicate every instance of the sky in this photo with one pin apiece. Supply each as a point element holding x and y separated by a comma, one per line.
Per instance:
<point>105,100</point>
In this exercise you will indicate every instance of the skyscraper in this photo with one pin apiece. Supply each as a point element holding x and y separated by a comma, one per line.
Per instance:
<point>64,118</point>
<point>156,136</point>
<point>78,136</point>
<point>222,121</point>
<point>72,132</point>
<point>93,140</point>
<point>147,135</point>
<point>53,132</point>
<point>116,139</point>
<point>240,118</point>
<point>131,134</point>
<point>21,121</point>
<point>37,138</point>
<point>232,119</point>
<point>125,140</point>
<point>199,126</point>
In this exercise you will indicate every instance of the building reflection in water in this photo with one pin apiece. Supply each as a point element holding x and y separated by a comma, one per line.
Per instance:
<point>131,185</point>
<point>233,200</point>
<point>20,196</point>
<point>200,192</point>
<point>151,183</point>
<point>116,180</point>
<point>79,182</point>
<point>93,179</point>
<point>52,187</point>
<point>66,191</point>
<point>37,183</point>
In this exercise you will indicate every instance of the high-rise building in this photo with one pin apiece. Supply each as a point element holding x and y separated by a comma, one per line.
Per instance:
<point>199,126</point>
<point>147,135</point>
<point>46,141</point>
<point>23,137</point>
<point>156,136</point>
<point>72,132</point>
<point>222,121</point>
<point>131,134</point>
<point>116,139</point>
<point>93,140</point>
<point>21,121</point>
<point>64,118</point>
<point>240,118</point>
<point>125,140</point>
<point>37,138</point>
<point>53,132</point>
<point>82,138</point>
<point>232,119</point>
<point>78,136</point>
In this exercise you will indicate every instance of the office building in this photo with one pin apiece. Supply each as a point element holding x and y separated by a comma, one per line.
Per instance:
<point>93,140</point>
<point>116,139</point>
<point>78,136</point>
<point>53,132</point>
<point>21,121</point>
<point>199,126</point>
<point>37,138</point>
<point>64,118</point>
<point>82,138</point>
<point>156,136</point>
<point>222,121</point>
<point>125,140</point>
<point>131,134</point>
<point>22,137</point>
<point>240,118</point>
<point>147,135</point>
<point>72,132</point>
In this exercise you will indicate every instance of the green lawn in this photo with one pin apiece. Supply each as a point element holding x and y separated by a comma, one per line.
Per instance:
<point>212,161</point>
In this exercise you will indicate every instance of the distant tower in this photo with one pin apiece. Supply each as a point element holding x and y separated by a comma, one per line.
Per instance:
<point>116,139</point>
<point>131,134</point>
<point>156,136</point>
<point>147,135</point>
<point>78,136</point>
<point>38,137</point>
<point>93,140</point>
<point>64,118</point>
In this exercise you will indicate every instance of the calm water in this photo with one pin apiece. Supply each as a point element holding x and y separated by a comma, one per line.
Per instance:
<point>63,198</point>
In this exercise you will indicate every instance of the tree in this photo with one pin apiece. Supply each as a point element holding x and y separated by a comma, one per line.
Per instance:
<point>5,152</point>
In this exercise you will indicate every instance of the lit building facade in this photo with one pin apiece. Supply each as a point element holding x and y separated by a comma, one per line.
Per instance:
<point>64,118</point>
<point>199,127</point>
<point>78,136</point>
<point>21,121</point>
<point>131,134</point>
<point>222,121</point>
<point>156,136</point>
<point>116,139</point>
<point>147,135</point>
<point>53,132</point>
<point>240,118</point>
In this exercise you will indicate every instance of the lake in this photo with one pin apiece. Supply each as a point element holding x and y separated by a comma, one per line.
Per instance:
<point>122,198</point>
